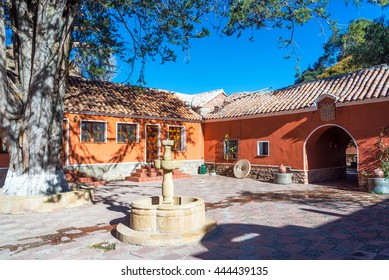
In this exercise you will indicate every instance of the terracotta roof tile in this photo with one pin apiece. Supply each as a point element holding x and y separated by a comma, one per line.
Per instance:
<point>355,86</point>
<point>87,96</point>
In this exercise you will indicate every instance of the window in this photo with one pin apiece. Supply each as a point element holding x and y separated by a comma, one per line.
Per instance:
<point>93,132</point>
<point>263,148</point>
<point>230,148</point>
<point>3,148</point>
<point>127,133</point>
<point>177,133</point>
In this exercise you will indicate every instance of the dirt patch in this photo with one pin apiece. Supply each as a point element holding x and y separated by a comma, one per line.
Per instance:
<point>63,236</point>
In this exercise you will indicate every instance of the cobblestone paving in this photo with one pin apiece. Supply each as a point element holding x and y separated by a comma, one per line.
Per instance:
<point>256,220</point>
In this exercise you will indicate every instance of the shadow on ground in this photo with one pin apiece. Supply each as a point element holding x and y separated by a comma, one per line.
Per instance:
<point>361,235</point>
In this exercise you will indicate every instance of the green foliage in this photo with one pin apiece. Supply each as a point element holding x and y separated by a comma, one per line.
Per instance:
<point>134,31</point>
<point>384,152</point>
<point>96,40</point>
<point>311,73</point>
<point>364,43</point>
<point>250,14</point>
<point>374,48</point>
<point>343,66</point>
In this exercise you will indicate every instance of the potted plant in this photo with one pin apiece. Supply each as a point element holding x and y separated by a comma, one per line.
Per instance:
<point>379,183</point>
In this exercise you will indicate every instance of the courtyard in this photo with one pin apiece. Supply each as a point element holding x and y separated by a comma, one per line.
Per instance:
<point>256,220</point>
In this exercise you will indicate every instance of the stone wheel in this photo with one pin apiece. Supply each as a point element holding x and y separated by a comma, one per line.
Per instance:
<point>242,168</point>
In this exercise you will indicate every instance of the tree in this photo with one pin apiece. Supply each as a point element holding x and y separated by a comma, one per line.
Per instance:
<point>47,34</point>
<point>364,43</point>
<point>343,66</point>
<point>374,48</point>
<point>31,98</point>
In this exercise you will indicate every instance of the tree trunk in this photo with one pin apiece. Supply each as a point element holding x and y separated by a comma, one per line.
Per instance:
<point>31,104</point>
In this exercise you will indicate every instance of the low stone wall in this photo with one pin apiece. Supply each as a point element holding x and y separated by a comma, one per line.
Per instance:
<point>326,174</point>
<point>258,172</point>
<point>13,204</point>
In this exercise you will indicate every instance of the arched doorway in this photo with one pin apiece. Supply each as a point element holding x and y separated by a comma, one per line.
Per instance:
<point>331,153</point>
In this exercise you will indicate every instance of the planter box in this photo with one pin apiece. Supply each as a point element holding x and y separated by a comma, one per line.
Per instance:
<point>283,178</point>
<point>378,185</point>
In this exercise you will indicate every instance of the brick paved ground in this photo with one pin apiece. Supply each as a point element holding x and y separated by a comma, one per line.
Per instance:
<point>256,220</point>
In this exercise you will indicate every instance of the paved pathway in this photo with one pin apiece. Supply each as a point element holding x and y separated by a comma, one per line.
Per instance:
<point>256,220</point>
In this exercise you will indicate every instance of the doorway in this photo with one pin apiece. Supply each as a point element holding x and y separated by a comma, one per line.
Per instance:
<point>152,142</point>
<point>331,154</point>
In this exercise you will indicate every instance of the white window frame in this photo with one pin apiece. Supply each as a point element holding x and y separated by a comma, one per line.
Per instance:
<point>136,132</point>
<point>105,133</point>
<point>183,137</point>
<point>259,150</point>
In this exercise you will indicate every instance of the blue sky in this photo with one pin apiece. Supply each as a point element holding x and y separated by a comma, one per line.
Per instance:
<point>236,64</point>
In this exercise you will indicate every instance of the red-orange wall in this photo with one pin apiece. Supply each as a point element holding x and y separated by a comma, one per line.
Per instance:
<point>287,134</point>
<point>112,152</point>
<point>4,160</point>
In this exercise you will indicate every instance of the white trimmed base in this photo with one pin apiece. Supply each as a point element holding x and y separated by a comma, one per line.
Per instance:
<point>30,185</point>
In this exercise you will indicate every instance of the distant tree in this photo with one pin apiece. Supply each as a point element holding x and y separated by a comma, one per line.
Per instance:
<point>311,73</point>
<point>363,44</point>
<point>374,48</point>
<point>343,66</point>
<point>48,36</point>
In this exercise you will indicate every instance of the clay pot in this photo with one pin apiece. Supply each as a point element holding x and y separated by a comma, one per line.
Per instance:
<point>378,173</point>
<point>281,169</point>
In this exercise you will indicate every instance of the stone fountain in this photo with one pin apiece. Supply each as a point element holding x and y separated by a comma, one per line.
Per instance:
<point>166,220</point>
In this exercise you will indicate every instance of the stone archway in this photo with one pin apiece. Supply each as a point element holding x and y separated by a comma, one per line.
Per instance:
<point>326,156</point>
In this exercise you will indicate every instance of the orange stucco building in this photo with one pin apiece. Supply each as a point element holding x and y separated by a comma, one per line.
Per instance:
<point>306,127</point>
<point>111,129</point>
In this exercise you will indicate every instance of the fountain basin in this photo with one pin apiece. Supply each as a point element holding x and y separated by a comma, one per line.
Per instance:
<point>155,224</point>
<point>185,214</point>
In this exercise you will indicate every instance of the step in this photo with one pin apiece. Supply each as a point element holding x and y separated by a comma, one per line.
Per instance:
<point>84,180</point>
<point>144,179</point>
<point>143,170</point>
<point>144,175</point>
<point>97,183</point>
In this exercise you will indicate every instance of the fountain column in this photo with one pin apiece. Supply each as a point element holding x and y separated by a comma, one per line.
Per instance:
<point>167,165</point>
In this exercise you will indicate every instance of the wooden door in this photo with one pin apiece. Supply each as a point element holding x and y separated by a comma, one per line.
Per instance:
<point>152,143</point>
